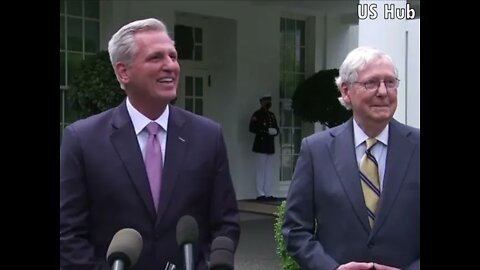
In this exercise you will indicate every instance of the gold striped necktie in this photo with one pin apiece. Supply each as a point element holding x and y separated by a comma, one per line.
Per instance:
<point>370,181</point>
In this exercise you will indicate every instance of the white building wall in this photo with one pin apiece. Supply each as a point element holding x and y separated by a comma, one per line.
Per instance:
<point>413,74</point>
<point>342,37</point>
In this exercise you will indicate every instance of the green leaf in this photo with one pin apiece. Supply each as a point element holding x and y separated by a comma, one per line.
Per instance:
<point>316,100</point>
<point>288,263</point>
<point>94,87</point>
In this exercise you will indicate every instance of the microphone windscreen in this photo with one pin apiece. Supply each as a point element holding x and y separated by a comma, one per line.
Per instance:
<point>126,246</point>
<point>187,230</point>
<point>223,242</point>
<point>222,253</point>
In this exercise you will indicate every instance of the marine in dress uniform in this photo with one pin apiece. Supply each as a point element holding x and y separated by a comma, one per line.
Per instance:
<point>264,125</point>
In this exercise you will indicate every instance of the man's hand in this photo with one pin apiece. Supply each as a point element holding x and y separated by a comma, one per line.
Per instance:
<point>356,266</point>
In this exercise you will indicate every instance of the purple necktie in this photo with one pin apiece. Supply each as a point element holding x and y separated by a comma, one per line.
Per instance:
<point>153,161</point>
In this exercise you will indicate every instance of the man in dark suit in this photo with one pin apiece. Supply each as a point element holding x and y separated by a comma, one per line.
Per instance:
<point>105,185</point>
<point>352,205</point>
<point>265,127</point>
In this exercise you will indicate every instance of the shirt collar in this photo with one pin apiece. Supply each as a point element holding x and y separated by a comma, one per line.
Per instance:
<point>360,136</point>
<point>140,121</point>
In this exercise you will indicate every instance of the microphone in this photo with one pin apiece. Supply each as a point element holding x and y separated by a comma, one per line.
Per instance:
<point>187,236</point>
<point>124,249</point>
<point>221,256</point>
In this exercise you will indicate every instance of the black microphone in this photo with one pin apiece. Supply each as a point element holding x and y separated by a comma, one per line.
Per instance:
<point>221,256</point>
<point>124,249</point>
<point>187,236</point>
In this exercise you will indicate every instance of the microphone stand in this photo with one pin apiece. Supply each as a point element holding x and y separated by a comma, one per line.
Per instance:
<point>188,251</point>
<point>118,265</point>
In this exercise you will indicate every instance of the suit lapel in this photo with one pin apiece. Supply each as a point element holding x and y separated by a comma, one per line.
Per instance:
<point>399,152</point>
<point>124,141</point>
<point>342,151</point>
<point>176,146</point>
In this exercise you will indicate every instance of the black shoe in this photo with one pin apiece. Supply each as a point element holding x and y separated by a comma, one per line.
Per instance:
<point>271,198</point>
<point>261,198</point>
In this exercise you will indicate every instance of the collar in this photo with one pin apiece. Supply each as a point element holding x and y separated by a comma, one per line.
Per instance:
<point>140,121</point>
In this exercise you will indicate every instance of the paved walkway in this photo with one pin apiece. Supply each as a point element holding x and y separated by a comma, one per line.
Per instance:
<point>256,248</point>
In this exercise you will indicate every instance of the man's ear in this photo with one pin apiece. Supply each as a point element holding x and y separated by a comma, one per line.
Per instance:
<point>122,72</point>
<point>345,94</point>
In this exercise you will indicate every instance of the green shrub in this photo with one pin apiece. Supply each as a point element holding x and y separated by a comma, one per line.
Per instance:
<point>95,87</point>
<point>316,100</point>
<point>287,262</point>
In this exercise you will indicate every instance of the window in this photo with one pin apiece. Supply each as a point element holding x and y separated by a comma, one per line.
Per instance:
<point>189,42</point>
<point>292,72</point>
<point>79,38</point>
<point>194,94</point>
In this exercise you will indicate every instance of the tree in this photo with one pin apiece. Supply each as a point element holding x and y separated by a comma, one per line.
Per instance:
<point>316,100</point>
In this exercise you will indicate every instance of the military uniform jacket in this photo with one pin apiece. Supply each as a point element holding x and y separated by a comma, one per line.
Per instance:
<point>260,122</point>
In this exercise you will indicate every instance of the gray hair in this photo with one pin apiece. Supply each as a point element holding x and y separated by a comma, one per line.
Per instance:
<point>355,61</point>
<point>121,46</point>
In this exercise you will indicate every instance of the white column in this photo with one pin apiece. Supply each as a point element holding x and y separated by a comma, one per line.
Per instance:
<point>413,73</point>
<point>383,25</point>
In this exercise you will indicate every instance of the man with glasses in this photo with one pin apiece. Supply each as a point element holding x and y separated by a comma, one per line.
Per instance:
<point>354,202</point>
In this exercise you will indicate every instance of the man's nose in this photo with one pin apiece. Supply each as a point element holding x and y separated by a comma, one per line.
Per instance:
<point>382,88</point>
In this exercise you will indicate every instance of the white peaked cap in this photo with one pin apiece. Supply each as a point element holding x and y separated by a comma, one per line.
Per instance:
<point>266,95</point>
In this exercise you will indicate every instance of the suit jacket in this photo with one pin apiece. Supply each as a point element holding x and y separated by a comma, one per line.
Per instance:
<point>260,122</point>
<point>326,188</point>
<point>104,188</point>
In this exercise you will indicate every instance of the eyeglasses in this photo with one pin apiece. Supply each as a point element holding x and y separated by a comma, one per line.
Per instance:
<point>373,85</point>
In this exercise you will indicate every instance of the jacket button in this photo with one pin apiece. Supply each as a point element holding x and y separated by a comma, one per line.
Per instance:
<point>370,245</point>
<point>157,237</point>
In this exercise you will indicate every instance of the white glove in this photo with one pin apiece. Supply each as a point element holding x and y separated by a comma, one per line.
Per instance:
<point>272,131</point>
